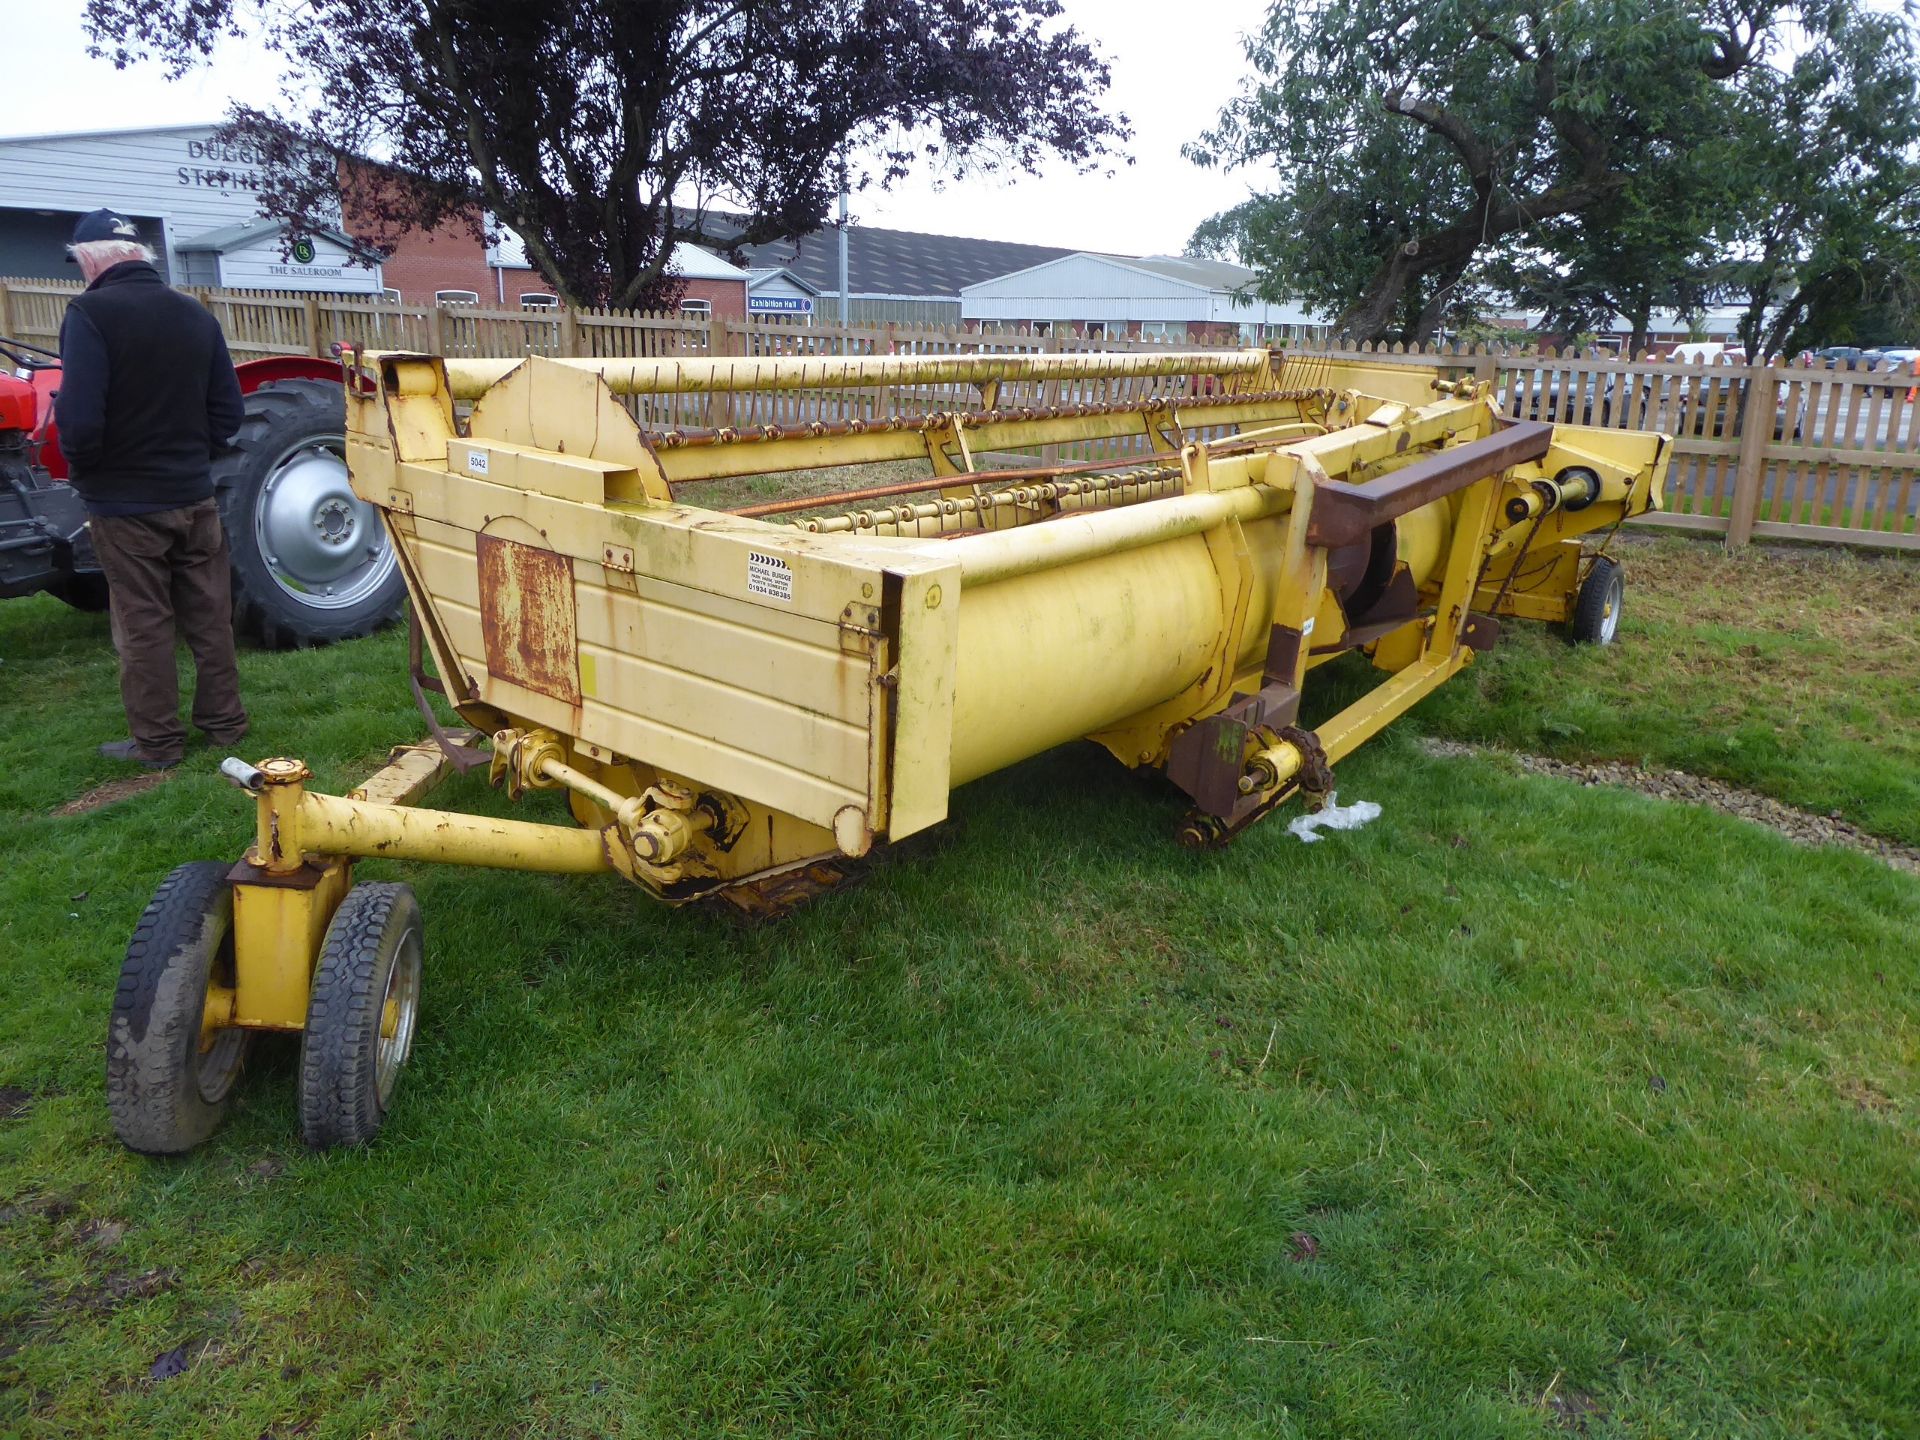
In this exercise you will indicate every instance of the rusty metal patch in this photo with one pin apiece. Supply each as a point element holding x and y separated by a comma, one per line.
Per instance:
<point>527,617</point>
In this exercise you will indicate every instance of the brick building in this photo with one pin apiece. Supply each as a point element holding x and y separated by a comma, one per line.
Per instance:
<point>451,266</point>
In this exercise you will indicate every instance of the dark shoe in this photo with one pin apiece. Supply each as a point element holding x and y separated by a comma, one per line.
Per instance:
<point>129,750</point>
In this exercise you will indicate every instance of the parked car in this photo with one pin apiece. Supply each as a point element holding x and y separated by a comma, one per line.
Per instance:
<point>1582,398</point>
<point>1902,362</point>
<point>1718,410</point>
<point>1831,357</point>
<point>1711,407</point>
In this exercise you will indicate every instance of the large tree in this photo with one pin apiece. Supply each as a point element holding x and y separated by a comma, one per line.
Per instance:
<point>602,131</point>
<point>1824,221</point>
<point>1650,251</point>
<point>1417,143</point>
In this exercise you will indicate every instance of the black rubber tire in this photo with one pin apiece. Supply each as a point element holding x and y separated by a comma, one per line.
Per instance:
<point>280,414</point>
<point>86,591</point>
<point>164,1094</point>
<point>376,928</point>
<point>1596,610</point>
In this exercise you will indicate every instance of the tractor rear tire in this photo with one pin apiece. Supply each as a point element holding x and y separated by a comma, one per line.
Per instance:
<point>166,1091</point>
<point>86,591</point>
<point>360,1020</point>
<point>311,562</point>
<point>1596,612</point>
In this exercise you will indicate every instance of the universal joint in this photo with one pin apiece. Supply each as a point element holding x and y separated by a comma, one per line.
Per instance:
<point>1574,488</point>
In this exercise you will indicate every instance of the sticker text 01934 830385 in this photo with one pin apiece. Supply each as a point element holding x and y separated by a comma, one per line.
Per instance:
<point>770,576</point>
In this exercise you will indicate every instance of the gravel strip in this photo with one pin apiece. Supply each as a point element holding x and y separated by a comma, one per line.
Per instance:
<point>1677,785</point>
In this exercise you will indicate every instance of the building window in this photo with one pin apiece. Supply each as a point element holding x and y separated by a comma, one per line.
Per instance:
<point>1163,330</point>
<point>703,309</point>
<point>456,297</point>
<point>1096,329</point>
<point>536,300</point>
<point>390,295</point>
<point>1041,327</point>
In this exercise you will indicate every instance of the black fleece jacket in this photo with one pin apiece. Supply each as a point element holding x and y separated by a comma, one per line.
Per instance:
<point>147,394</point>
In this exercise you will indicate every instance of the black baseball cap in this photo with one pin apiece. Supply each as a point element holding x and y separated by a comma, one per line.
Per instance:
<point>103,225</point>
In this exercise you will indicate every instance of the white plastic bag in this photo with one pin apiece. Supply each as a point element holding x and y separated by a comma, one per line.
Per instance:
<point>1333,816</point>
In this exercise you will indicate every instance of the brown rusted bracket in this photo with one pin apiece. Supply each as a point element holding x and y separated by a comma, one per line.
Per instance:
<point>1206,758</point>
<point>1481,632</point>
<point>1206,828</point>
<point>462,757</point>
<point>1343,514</point>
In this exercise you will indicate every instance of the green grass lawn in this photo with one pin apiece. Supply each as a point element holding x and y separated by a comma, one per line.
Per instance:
<point>1527,1110</point>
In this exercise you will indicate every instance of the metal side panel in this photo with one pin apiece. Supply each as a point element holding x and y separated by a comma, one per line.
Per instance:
<point>754,693</point>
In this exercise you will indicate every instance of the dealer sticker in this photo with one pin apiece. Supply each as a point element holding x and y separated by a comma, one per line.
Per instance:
<point>770,576</point>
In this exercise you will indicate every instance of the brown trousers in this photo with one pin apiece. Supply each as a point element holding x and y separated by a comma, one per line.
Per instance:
<point>166,571</point>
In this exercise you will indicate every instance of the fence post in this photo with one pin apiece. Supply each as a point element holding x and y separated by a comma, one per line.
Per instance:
<point>569,331</point>
<point>1486,368</point>
<point>719,404</point>
<point>310,309</point>
<point>1050,397</point>
<point>1756,433</point>
<point>436,340</point>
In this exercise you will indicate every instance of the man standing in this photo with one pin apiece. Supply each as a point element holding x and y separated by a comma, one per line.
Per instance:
<point>147,395</point>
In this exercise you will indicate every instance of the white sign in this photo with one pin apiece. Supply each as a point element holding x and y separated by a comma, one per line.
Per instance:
<point>770,576</point>
<point>779,304</point>
<point>477,462</point>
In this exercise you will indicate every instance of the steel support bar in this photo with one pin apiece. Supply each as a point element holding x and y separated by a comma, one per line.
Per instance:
<point>410,772</point>
<point>331,825</point>
<point>470,379</point>
<point>1379,707</point>
<point>1346,513</point>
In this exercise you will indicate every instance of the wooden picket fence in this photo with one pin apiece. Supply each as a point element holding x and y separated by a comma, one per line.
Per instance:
<point>1771,451</point>
<point>1761,451</point>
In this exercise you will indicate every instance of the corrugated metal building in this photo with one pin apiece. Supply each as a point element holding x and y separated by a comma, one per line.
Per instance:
<point>1171,297</point>
<point>192,198</point>
<point>904,276</point>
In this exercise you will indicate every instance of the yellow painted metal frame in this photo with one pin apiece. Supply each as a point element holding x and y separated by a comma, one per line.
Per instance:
<point>732,702</point>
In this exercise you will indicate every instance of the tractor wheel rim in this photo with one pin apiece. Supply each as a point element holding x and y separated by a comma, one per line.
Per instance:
<point>1610,615</point>
<point>219,1065</point>
<point>399,1007</point>
<point>322,544</point>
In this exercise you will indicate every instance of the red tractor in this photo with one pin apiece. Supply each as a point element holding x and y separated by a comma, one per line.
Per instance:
<point>311,561</point>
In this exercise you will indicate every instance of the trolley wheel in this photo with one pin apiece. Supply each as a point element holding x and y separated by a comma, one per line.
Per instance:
<point>1596,613</point>
<point>168,1076</point>
<point>366,998</point>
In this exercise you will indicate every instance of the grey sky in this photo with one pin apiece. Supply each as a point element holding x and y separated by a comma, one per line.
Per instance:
<point>1173,66</point>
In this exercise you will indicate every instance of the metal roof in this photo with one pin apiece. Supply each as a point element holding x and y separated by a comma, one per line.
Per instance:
<point>115,130</point>
<point>764,274</point>
<point>897,262</point>
<point>237,237</point>
<point>1193,270</point>
<point>1197,271</point>
<point>690,262</point>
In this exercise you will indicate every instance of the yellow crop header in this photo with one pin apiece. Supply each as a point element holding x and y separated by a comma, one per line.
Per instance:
<point>740,705</point>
